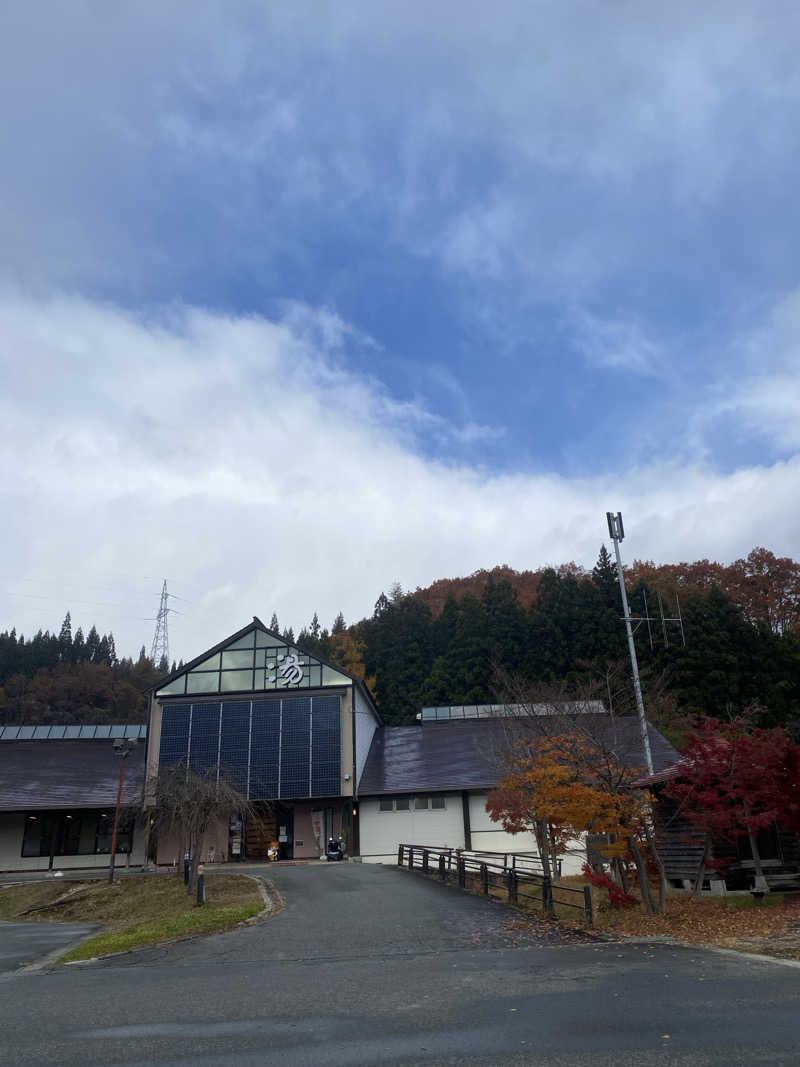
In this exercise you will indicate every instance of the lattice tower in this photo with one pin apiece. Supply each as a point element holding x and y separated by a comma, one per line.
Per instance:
<point>160,647</point>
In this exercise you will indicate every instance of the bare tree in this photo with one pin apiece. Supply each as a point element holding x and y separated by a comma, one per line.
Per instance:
<point>189,804</point>
<point>578,719</point>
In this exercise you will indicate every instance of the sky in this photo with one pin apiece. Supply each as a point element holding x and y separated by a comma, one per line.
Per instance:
<point>299,300</point>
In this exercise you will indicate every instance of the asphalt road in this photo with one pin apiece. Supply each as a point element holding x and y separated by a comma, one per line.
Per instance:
<point>22,944</point>
<point>367,965</point>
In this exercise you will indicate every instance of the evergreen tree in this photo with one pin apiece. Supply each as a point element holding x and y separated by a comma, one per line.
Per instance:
<point>78,647</point>
<point>92,645</point>
<point>604,576</point>
<point>314,628</point>
<point>339,626</point>
<point>65,638</point>
<point>288,635</point>
<point>274,625</point>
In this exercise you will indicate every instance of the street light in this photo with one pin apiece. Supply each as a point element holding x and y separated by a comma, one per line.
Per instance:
<point>123,746</point>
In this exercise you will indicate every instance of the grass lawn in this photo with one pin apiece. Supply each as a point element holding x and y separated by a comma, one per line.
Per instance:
<point>135,911</point>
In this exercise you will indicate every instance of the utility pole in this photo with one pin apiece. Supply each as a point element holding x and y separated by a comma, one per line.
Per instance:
<point>123,748</point>
<point>617,533</point>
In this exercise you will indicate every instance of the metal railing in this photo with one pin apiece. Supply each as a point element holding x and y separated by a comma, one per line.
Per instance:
<point>514,873</point>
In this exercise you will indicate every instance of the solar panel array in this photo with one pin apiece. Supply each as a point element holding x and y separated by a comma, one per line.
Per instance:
<point>268,749</point>
<point>103,732</point>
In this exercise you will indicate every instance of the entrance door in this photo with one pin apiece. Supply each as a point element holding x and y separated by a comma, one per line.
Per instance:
<point>260,831</point>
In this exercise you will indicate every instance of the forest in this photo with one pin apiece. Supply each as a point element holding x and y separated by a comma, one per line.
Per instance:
<point>493,636</point>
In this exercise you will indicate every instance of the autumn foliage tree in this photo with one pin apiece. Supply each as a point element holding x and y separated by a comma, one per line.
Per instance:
<point>734,781</point>
<point>565,785</point>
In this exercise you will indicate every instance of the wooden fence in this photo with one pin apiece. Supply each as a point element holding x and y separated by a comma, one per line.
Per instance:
<point>518,874</point>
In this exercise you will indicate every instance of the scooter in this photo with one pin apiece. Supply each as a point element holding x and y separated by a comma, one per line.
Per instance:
<point>334,851</point>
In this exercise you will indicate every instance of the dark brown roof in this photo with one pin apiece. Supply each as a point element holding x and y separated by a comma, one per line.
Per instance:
<point>436,757</point>
<point>36,775</point>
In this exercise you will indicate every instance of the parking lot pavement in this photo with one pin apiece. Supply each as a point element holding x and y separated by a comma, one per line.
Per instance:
<point>25,943</point>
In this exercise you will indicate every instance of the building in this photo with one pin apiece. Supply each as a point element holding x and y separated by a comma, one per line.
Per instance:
<point>58,794</point>
<point>428,784</point>
<point>302,740</point>
<point>729,864</point>
<point>289,731</point>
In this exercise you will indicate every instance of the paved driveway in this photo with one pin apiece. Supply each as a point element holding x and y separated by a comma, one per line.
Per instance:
<point>25,943</point>
<point>369,965</point>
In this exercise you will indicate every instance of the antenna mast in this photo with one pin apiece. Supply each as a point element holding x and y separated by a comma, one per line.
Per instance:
<point>160,648</point>
<point>617,533</point>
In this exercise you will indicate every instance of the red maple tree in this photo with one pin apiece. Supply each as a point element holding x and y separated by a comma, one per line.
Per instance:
<point>735,781</point>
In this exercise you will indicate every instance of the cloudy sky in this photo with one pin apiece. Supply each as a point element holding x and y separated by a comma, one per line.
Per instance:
<point>299,300</point>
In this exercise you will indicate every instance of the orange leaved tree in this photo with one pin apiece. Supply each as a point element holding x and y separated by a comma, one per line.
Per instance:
<point>568,784</point>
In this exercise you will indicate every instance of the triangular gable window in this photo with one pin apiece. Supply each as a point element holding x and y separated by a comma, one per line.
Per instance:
<point>258,661</point>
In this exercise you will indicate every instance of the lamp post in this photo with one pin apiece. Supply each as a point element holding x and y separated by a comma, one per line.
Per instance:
<point>123,746</point>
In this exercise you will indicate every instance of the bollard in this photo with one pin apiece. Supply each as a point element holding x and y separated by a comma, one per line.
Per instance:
<point>485,879</point>
<point>201,888</point>
<point>442,871</point>
<point>186,870</point>
<point>424,861</point>
<point>587,901</point>
<point>399,855</point>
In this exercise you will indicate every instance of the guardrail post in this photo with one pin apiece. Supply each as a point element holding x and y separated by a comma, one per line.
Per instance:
<point>424,861</point>
<point>399,855</point>
<point>462,873</point>
<point>442,869</point>
<point>485,879</point>
<point>547,894</point>
<point>511,886</point>
<point>587,901</point>
<point>410,857</point>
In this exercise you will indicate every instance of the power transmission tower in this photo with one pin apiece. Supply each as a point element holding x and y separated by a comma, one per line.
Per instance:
<point>159,650</point>
<point>617,533</point>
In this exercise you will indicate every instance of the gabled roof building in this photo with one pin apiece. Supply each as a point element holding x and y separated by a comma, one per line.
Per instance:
<point>302,739</point>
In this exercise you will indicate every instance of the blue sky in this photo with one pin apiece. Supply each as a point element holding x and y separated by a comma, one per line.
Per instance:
<point>516,265</point>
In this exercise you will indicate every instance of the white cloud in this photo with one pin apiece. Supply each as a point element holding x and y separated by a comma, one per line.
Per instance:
<point>238,458</point>
<point>616,343</point>
<point>761,390</point>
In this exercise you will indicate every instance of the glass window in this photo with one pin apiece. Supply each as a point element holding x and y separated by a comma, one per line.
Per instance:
<point>243,642</point>
<point>202,682</point>
<point>105,831</point>
<point>332,677</point>
<point>32,839</point>
<point>420,803</point>
<point>210,664</point>
<point>437,803</point>
<point>237,659</point>
<point>385,805</point>
<point>401,804</point>
<point>174,687</point>
<point>62,833</point>
<point>268,641</point>
<point>233,681</point>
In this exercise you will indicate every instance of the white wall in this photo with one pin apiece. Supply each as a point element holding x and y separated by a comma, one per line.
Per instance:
<point>366,725</point>
<point>488,836</point>
<point>382,831</point>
